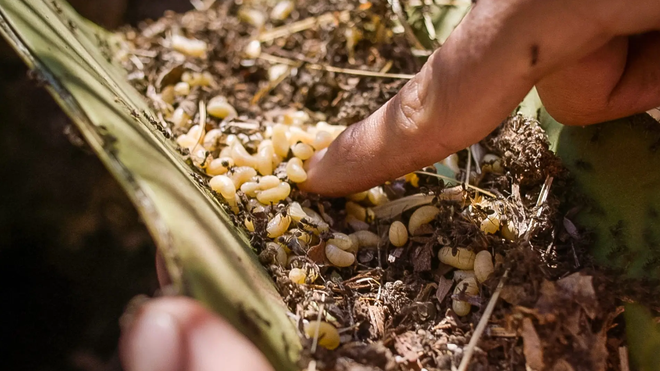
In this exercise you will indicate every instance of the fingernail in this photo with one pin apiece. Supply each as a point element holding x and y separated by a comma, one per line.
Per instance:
<point>152,343</point>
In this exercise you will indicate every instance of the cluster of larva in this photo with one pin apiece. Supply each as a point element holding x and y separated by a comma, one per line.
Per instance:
<point>472,269</point>
<point>256,174</point>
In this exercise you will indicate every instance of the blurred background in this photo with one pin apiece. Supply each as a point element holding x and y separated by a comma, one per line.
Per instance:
<point>73,250</point>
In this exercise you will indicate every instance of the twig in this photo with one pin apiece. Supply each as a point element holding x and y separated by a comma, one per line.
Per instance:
<point>543,196</point>
<point>440,2</point>
<point>318,327</point>
<point>469,350</point>
<point>623,359</point>
<point>351,71</point>
<point>454,180</point>
<point>302,25</point>
<point>348,71</point>
<point>202,5</point>
<point>202,123</point>
<point>468,168</point>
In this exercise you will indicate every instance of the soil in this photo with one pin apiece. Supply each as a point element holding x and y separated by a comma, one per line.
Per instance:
<point>394,307</point>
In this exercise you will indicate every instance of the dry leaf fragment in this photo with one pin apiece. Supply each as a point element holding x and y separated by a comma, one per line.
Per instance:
<point>532,347</point>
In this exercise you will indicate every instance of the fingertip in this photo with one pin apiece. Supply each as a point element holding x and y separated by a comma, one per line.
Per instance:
<point>177,333</point>
<point>151,341</point>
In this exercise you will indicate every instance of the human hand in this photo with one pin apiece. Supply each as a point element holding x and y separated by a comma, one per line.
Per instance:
<point>179,334</point>
<point>579,54</point>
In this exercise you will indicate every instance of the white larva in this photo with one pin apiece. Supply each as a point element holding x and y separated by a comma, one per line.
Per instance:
<point>280,141</point>
<point>186,141</point>
<point>322,140</point>
<point>167,94</point>
<point>491,224</point>
<point>219,166</point>
<point>223,185</point>
<point>327,334</point>
<point>252,49</point>
<point>377,196</point>
<point>198,79</point>
<point>342,241</point>
<point>421,216</point>
<point>264,157</point>
<point>219,107</point>
<point>179,118</point>
<point>398,234</point>
<point>277,71</point>
<point>364,214</point>
<point>280,253</point>
<point>297,275</point>
<point>460,307</point>
<point>282,10</point>
<point>302,150</point>
<point>233,203</point>
<point>296,118</point>
<point>274,195</point>
<point>250,188</point>
<point>210,142</point>
<point>195,132</point>
<point>241,174</point>
<point>268,182</point>
<point>188,46</point>
<point>182,89</point>
<point>483,265</point>
<point>295,171</point>
<point>364,239</point>
<point>338,257</point>
<point>296,212</point>
<point>241,156</point>
<point>357,197</point>
<point>312,214</point>
<point>297,134</point>
<point>464,258</point>
<point>252,17</point>
<point>278,225</point>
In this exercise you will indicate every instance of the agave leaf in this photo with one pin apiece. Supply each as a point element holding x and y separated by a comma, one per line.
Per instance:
<point>614,164</point>
<point>643,338</point>
<point>206,256</point>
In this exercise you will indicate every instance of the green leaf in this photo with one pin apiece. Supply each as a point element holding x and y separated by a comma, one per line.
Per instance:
<point>643,338</point>
<point>205,254</point>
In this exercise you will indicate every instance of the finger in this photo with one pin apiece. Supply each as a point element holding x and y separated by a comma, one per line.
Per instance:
<point>178,334</point>
<point>620,79</point>
<point>462,93</point>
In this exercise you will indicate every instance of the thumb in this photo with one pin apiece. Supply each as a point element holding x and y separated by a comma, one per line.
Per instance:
<point>178,334</point>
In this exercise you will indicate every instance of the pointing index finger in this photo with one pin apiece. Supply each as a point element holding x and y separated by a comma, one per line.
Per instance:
<point>462,93</point>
